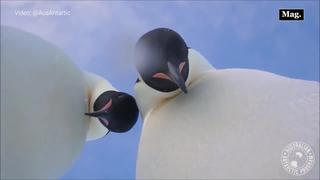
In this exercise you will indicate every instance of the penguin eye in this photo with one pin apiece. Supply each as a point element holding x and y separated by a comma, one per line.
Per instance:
<point>181,66</point>
<point>161,76</point>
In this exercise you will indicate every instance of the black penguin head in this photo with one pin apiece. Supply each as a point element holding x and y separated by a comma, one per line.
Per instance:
<point>117,111</point>
<point>161,57</point>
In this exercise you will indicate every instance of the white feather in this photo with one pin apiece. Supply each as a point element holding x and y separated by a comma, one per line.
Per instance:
<point>233,123</point>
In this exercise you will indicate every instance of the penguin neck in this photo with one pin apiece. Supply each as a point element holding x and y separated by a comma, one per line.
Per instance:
<point>198,65</point>
<point>95,86</point>
<point>149,99</point>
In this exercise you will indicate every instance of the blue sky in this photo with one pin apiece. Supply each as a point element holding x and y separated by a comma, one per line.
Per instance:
<point>99,37</point>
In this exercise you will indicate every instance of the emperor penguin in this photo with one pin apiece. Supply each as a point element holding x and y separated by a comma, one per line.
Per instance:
<point>109,109</point>
<point>203,123</point>
<point>49,108</point>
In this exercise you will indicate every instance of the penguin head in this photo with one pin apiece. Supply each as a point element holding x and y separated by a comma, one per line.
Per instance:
<point>161,57</point>
<point>117,111</point>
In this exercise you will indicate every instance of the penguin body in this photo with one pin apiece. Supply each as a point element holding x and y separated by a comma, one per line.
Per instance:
<point>230,130</point>
<point>43,126</point>
<point>231,123</point>
<point>44,99</point>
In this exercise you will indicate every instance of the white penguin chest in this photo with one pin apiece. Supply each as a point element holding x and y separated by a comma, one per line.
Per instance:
<point>224,129</point>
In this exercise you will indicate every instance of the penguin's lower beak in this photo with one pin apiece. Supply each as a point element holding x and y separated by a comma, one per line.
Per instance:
<point>99,114</point>
<point>176,77</point>
<point>95,114</point>
<point>102,117</point>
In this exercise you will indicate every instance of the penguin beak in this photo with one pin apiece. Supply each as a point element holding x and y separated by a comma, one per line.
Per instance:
<point>95,114</point>
<point>98,114</point>
<point>102,117</point>
<point>103,112</point>
<point>176,77</point>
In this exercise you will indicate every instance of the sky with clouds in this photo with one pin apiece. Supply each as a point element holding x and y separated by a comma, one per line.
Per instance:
<point>99,36</point>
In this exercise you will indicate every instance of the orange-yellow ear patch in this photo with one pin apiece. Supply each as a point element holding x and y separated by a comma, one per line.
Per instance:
<point>161,76</point>
<point>181,65</point>
<point>107,106</point>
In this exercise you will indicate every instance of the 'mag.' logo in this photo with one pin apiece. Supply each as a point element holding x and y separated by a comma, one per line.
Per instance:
<point>291,14</point>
